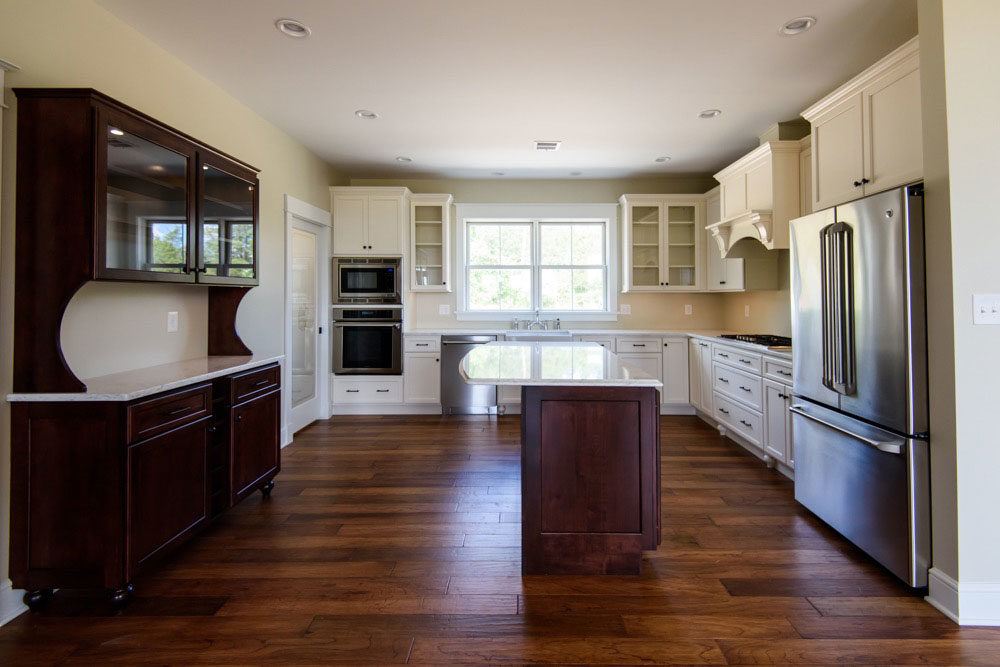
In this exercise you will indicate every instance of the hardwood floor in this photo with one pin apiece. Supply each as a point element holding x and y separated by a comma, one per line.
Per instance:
<point>396,539</point>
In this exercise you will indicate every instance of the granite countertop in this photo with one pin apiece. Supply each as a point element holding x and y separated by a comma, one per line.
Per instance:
<point>130,385</point>
<point>551,364</point>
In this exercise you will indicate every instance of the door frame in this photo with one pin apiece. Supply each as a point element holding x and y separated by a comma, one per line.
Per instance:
<point>297,210</point>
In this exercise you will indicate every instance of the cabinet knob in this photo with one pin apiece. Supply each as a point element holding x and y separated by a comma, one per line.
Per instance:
<point>239,418</point>
<point>722,282</point>
<point>438,360</point>
<point>213,429</point>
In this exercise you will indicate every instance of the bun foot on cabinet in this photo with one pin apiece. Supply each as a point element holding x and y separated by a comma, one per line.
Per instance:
<point>37,599</point>
<point>266,489</point>
<point>121,596</point>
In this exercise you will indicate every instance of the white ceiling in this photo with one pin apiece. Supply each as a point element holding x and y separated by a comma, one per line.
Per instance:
<point>465,86</point>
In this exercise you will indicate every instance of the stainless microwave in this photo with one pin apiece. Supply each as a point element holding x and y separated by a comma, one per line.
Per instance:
<point>366,279</point>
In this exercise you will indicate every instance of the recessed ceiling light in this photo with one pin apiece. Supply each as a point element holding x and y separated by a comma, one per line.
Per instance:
<point>710,113</point>
<point>403,158</point>
<point>366,114</point>
<point>576,173</point>
<point>498,173</point>
<point>156,167</point>
<point>293,28</point>
<point>115,131</point>
<point>797,25</point>
<point>662,158</point>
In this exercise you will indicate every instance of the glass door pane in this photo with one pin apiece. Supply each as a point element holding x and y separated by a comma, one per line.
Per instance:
<point>228,228</point>
<point>646,221</point>
<point>303,308</point>
<point>146,216</point>
<point>428,245</point>
<point>681,246</point>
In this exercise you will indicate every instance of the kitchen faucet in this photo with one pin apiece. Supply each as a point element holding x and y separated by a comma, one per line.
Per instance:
<point>543,325</point>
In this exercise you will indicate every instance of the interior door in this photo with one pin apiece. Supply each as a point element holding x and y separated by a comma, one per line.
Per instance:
<point>304,318</point>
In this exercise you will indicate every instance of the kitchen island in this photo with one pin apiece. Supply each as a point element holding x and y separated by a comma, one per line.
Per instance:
<point>590,463</point>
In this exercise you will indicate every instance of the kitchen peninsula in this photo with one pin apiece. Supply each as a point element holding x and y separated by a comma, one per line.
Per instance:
<point>590,476</point>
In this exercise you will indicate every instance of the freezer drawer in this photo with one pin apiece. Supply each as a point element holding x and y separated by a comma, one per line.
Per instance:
<point>871,485</point>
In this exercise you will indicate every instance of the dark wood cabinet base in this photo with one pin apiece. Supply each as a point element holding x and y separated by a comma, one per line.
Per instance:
<point>590,494</point>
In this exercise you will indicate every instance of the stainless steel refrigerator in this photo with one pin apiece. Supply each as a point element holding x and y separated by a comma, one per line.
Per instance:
<point>859,414</point>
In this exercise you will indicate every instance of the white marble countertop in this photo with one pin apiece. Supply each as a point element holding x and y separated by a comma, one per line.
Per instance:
<point>551,364</point>
<point>130,385</point>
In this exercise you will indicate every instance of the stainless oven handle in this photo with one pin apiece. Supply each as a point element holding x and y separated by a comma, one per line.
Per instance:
<point>891,448</point>
<point>395,325</point>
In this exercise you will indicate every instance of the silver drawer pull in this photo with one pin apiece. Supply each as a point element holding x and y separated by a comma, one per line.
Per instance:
<point>783,372</point>
<point>724,411</point>
<point>745,361</point>
<point>744,388</point>
<point>421,344</point>
<point>724,380</point>
<point>382,391</point>
<point>352,391</point>
<point>747,424</point>
<point>721,354</point>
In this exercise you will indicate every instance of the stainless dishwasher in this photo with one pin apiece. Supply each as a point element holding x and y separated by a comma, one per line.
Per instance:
<point>457,397</point>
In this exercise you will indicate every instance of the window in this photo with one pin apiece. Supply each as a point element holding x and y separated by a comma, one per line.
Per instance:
<point>556,264</point>
<point>229,253</point>
<point>166,245</point>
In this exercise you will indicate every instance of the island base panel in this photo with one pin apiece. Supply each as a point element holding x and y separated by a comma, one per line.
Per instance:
<point>589,478</point>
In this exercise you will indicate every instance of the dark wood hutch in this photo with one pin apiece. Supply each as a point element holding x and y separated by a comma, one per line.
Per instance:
<point>103,485</point>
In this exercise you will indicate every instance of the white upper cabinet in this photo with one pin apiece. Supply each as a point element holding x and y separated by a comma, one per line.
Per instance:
<point>662,243</point>
<point>724,275</point>
<point>430,250</point>
<point>368,221</point>
<point>866,135</point>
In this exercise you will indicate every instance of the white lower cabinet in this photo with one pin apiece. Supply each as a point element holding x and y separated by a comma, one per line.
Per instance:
<point>607,342</point>
<point>700,365</point>
<point>650,363</point>
<point>368,389</point>
<point>422,377</point>
<point>777,427</point>
<point>675,371</point>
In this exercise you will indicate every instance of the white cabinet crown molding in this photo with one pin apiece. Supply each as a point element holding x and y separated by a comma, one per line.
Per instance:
<point>855,85</point>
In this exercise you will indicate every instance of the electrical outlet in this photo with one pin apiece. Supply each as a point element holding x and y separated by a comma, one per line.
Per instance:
<point>444,309</point>
<point>626,309</point>
<point>746,310</point>
<point>687,309</point>
<point>986,308</point>
<point>172,321</point>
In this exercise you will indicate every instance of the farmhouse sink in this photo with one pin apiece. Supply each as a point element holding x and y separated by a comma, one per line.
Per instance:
<point>538,336</point>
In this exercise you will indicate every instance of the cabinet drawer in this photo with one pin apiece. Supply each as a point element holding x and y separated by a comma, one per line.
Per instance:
<point>367,391</point>
<point>747,361</point>
<point>778,370</point>
<point>422,344</point>
<point>256,382</point>
<point>156,415</point>
<point>604,341</point>
<point>745,422</point>
<point>742,386</point>
<point>629,344</point>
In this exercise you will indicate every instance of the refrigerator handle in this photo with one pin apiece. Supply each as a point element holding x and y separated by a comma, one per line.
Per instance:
<point>837,274</point>
<point>881,445</point>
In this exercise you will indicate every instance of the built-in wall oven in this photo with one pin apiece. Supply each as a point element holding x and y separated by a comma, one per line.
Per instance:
<point>367,340</point>
<point>366,280</point>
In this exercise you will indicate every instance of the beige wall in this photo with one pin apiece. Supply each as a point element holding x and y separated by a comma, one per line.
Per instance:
<point>649,311</point>
<point>111,327</point>
<point>770,310</point>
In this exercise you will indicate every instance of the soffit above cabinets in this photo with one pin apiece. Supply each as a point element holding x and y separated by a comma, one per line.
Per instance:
<point>759,196</point>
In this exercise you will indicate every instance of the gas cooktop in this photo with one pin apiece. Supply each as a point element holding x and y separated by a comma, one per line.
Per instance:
<point>766,340</point>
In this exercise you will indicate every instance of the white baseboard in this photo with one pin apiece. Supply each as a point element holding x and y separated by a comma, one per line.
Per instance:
<point>387,409</point>
<point>972,603</point>
<point>942,593</point>
<point>286,438</point>
<point>11,605</point>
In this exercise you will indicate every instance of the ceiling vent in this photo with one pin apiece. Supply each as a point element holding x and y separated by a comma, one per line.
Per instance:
<point>547,145</point>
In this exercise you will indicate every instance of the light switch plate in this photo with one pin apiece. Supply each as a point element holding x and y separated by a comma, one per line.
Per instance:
<point>172,321</point>
<point>687,309</point>
<point>986,308</point>
<point>444,309</point>
<point>626,309</point>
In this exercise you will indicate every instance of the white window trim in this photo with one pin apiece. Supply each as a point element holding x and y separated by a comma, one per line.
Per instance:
<point>545,213</point>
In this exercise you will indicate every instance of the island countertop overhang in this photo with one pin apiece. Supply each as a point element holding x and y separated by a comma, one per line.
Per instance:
<point>554,364</point>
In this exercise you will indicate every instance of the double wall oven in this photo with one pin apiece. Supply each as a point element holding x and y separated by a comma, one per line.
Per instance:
<point>367,316</point>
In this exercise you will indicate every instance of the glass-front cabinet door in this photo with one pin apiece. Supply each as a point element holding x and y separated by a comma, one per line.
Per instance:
<point>682,245</point>
<point>227,222</point>
<point>645,220</point>
<point>145,202</point>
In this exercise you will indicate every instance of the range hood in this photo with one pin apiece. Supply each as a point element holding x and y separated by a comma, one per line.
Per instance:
<point>759,195</point>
